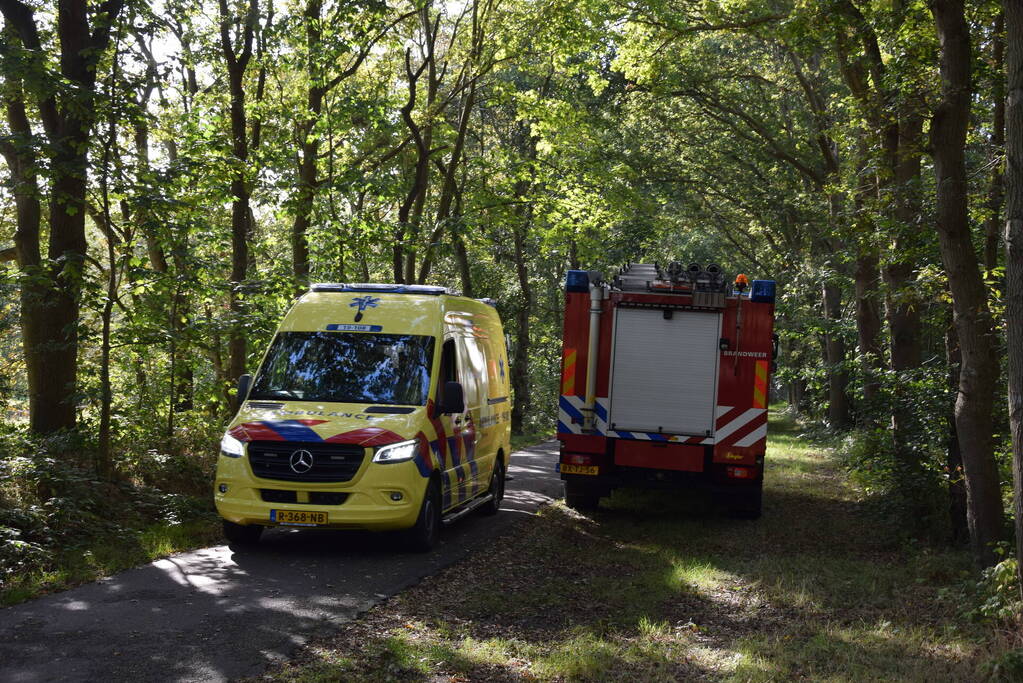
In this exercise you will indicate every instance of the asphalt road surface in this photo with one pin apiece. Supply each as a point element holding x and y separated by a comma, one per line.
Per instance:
<point>214,614</point>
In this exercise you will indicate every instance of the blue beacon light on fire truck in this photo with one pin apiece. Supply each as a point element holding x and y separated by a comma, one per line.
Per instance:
<point>762,291</point>
<point>577,281</point>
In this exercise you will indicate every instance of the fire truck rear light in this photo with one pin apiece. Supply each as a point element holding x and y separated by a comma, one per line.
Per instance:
<point>740,472</point>
<point>578,459</point>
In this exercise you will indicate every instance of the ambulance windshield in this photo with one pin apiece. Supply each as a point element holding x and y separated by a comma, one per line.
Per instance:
<point>346,367</point>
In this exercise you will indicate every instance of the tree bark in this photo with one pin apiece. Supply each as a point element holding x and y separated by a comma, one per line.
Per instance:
<point>868,328</point>
<point>902,306</point>
<point>309,146</point>
<point>237,61</point>
<point>1014,253</point>
<point>834,350</point>
<point>969,295</point>
<point>51,293</point>
<point>996,189</point>
<point>957,507</point>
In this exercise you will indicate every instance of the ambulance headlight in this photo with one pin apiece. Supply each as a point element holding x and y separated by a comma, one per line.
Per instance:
<point>396,452</point>
<point>231,447</point>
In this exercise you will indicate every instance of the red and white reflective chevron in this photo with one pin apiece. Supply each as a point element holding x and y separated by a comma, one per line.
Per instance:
<point>741,427</point>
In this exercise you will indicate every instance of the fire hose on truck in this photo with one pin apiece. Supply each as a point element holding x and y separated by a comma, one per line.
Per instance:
<point>665,375</point>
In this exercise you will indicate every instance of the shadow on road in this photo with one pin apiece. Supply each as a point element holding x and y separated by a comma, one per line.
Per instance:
<point>217,613</point>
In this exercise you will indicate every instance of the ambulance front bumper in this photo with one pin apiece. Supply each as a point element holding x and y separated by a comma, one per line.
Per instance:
<point>381,497</point>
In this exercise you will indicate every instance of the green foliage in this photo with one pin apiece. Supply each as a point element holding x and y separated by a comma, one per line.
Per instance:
<point>590,134</point>
<point>60,524</point>
<point>998,595</point>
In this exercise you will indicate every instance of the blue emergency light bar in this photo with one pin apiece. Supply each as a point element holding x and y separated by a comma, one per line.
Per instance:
<point>378,288</point>
<point>577,281</point>
<point>762,291</point>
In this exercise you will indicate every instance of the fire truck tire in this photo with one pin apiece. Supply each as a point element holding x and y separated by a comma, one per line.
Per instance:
<point>423,535</point>
<point>747,504</point>
<point>240,535</point>
<point>579,498</point>
<point>496,490</point>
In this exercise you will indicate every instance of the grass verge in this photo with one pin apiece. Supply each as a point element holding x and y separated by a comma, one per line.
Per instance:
<point>520,441</point>
<point>660,587</point>
<point>108,554</point>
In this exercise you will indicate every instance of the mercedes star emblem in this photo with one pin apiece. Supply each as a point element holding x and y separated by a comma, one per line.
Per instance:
<point>301,461</point>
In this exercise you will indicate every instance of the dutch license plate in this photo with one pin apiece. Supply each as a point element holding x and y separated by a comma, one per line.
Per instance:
<point>298,517</point>
<point>578,469</point>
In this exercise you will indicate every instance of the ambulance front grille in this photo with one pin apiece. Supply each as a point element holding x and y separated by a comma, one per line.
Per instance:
<point>331,462</point>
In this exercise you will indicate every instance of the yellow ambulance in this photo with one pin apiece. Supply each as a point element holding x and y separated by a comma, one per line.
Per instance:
<point>376,407</point>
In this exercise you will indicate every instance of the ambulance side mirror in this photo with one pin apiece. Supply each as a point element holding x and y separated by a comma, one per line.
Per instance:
<point>454,398</point>
<point>244,384</point>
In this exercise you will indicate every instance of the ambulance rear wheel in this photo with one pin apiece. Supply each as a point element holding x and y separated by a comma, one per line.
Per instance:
<point>496,490</point>
<point>423,536</point>
<point>579,498</point>
<point>242,535</point>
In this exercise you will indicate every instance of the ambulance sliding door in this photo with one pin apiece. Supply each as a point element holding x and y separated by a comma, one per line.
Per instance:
<point>664,373</point>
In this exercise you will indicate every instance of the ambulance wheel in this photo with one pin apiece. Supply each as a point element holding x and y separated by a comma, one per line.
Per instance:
<point>242,535</point>
<point>747,504</point>
<point>496,490</point>
<point>423,536</point>
<point>579,498</point>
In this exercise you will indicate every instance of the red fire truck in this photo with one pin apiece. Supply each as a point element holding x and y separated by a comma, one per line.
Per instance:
<point>664,382</point>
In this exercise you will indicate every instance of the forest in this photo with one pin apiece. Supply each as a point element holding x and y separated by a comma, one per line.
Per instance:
<point>175,173</point>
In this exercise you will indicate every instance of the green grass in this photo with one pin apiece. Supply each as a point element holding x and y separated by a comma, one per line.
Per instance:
<point>107,555</point>
<point>520,441</point>
<point>661,586</point>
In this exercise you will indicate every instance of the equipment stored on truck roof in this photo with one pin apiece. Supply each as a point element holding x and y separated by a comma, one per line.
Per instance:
<point>664,382</point>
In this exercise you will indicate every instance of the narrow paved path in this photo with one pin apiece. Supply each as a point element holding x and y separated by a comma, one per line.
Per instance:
<point>214,614</point>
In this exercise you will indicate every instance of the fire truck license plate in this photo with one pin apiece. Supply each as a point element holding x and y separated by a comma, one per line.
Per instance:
<point>298,517</point>
<point>578,469</point>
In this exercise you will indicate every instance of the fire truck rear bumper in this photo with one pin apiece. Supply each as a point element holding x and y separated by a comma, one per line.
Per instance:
<point>716,480</point>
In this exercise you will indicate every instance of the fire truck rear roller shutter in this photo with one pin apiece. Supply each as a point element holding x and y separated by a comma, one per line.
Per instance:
<point>665,371</point>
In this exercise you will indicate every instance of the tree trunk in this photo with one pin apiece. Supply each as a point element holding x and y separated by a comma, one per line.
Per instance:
<point>902,306</point>
<point>834,350</point>
<point>868,328</point>
<point>50,303</point>
<point>996,189</point>
<point>1014,253</point>
<point>969,296</point>
<point>954,458</point>
<point>309,144</point>
<point>237,61</point>
<point>520,364</point>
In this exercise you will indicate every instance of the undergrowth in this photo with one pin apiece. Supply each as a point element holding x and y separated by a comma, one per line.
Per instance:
<point>61,524</point>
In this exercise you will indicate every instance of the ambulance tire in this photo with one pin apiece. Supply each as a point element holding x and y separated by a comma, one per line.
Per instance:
<point>496,490</point>
<point>747,504</point>
<point>423,536</point>
<point>579,498</point>
<point>242,535</point>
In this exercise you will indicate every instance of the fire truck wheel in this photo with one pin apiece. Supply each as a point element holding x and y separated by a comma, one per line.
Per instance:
<point>422,537</point>
<point>578,498</point>
<point>242,535</point>
<point>747,504</point>
<point>496,490</point>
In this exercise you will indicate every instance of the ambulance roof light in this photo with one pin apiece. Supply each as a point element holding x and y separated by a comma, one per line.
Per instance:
<point>378,288</point>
